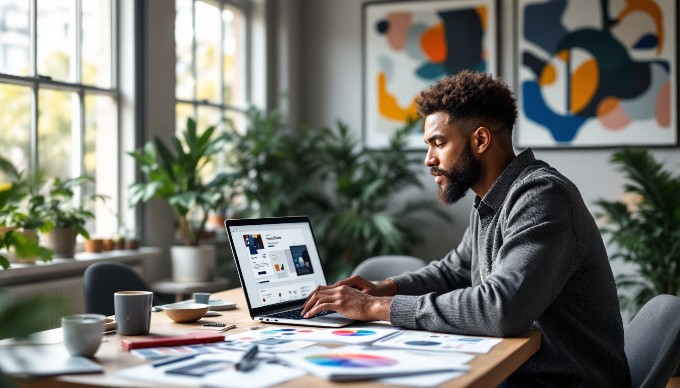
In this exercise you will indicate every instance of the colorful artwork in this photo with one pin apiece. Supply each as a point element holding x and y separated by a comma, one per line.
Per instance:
<point>596,73</point>
<point>408,45</point>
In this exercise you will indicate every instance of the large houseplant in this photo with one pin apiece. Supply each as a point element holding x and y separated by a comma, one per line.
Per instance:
<point>276,173</point>
<point>363,218</point>
<point>176,175</point>
<point>645,229</point>
<point>347,192</point>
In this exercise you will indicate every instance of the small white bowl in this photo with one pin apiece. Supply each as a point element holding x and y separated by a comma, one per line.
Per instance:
<point>186,312</point>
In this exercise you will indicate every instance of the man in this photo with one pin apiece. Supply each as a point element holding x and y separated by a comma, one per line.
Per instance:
<point>532,255</point>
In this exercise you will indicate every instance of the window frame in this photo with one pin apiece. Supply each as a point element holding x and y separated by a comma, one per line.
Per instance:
<point>196,104</point>
<point>37,82</point>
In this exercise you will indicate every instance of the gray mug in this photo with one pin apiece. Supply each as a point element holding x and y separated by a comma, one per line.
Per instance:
<point>83,333</point>
<point>133,312</point>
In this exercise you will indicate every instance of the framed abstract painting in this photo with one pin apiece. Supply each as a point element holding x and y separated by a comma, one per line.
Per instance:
<point>408,45</point>
<point>596,73</point>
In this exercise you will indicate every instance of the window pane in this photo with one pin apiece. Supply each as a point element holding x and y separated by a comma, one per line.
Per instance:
<point>182,113</point>
<point>55,120</point>
<point>208,27</point>
<point>97,43</point>
<point>207,117</point>
<point>101,162</point>
<point>15,49</point>
<point>55,38</point>
<point>15,124</point>
<point>234,57</point>
<point>184,33</point>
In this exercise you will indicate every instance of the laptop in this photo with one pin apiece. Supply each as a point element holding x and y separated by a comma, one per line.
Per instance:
<point>279,266</point>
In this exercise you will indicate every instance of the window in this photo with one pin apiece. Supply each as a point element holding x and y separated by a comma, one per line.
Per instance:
<point>59,94</point>
<point>211,41</point>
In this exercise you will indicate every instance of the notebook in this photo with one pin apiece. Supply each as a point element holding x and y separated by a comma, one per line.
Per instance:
<point>279,266</point>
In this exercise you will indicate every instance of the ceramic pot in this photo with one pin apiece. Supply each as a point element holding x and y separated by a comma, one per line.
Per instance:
<point>62,241</point>
<point>192,264</point>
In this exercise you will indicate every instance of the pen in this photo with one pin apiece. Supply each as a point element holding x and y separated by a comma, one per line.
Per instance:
<point>247,361</point>
<point>172,360</point>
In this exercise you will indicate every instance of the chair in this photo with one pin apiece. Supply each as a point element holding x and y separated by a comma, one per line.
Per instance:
<point>652,342</point>
<point>381,267</point>
<point>103,279</point>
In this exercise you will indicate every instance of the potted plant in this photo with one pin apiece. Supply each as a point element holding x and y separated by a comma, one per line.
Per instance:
<point>12,238</point>
<point>176,175</point>
<point>64,219</point>
<point>645,229</point>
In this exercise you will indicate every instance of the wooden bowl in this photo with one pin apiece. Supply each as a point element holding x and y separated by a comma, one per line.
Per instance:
<point>186,312</point>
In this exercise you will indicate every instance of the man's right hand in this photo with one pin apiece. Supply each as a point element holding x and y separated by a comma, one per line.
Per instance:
<point>383,288</point>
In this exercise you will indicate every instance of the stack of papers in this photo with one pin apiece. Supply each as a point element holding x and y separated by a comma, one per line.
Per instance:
<point>359,363</point>
<point>423,340</point>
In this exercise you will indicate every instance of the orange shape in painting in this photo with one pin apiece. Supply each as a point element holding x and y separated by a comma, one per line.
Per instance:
<point>663,105</point>
<point>433,42</point>
<point>548,75</point>
<point>584,83</point>
<point>481,11</point>
<point>611,115</point>
<point>389,106</point>
<point>563,55</point>
<point>653,10</point>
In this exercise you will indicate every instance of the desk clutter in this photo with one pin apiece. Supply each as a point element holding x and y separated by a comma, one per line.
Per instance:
<point>278,354</point>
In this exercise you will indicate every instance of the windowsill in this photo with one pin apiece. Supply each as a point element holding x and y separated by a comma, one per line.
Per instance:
<point>23,273</point>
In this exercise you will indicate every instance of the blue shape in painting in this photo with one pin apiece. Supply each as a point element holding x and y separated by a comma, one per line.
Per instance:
<point>463,33</point>
<point>562,128</point>
<point>543,25</point>
<point>431,71</point>
<point>648,41</point>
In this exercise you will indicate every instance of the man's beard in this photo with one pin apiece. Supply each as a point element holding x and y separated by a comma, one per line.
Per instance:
<point>463,175</point>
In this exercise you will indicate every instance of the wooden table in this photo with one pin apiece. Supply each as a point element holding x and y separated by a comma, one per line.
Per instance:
<point>487,370</point>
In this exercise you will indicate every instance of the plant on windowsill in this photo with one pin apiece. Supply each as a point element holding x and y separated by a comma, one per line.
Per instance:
<point>64,219</point>
<point>176,175</point>
<point>17,244</point>
<point>644,231</point>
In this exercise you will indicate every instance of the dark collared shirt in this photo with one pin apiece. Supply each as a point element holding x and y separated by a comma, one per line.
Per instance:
<point>531,257</point>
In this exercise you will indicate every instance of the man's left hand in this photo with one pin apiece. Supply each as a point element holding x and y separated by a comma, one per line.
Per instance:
<point>347,301</point>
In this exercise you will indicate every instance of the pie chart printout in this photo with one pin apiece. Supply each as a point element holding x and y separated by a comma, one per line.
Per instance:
<point>351,360</point>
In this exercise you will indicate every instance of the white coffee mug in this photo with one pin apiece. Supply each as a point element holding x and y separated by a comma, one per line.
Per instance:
<point>133,312</point>
<point>83,333</point>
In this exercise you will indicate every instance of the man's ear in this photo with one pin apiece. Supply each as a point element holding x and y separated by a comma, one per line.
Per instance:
<point>480,140</point>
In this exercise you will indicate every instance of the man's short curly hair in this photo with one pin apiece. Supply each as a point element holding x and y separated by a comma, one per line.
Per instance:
<point>471,95</point>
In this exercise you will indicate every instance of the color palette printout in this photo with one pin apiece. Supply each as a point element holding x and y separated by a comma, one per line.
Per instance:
<point>355,362</point>
<point>274,344</point>
<point>422,340</point>
<point>358,335</point>
<point>171,351</point>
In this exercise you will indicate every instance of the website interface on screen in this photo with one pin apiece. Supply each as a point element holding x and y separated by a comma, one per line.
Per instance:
<point>279,262</point>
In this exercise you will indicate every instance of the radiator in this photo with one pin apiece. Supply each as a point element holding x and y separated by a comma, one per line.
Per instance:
<point>70,289</point>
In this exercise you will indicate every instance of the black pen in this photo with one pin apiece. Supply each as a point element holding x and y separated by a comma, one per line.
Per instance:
<point>172,360</point>
<point>247,361</point>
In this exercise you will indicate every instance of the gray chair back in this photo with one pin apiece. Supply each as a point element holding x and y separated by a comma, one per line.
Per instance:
<point>381,267</point>
<point>652,342</point>
<point>101,280</point>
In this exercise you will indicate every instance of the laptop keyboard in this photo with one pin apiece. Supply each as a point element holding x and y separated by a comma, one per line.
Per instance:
<point>295,314</point>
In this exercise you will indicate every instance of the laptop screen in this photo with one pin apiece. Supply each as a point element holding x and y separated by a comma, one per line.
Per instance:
<point>278,260</point>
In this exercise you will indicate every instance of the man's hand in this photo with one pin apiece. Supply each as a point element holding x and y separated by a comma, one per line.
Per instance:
<point>383,288</point>
<point>354,297</point>
<point>348,301</point>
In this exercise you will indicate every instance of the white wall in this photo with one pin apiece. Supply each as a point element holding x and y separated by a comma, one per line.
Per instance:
<point>331,89</point>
